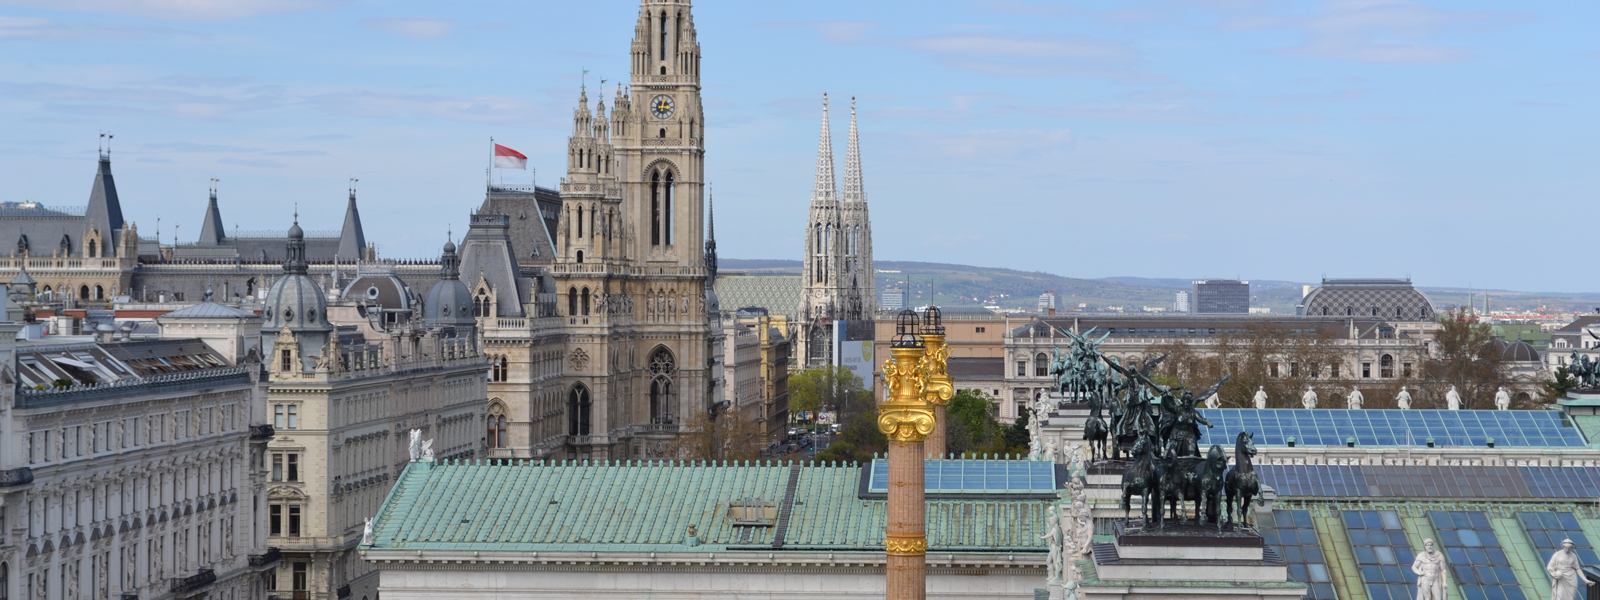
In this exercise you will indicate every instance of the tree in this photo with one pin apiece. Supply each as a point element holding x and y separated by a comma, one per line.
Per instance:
<point>1556,390</point>
<point>971,427</point>
<point>859,439</point>
<point>733,435</point>
<point>1466,355</point>
<point>826,389</point>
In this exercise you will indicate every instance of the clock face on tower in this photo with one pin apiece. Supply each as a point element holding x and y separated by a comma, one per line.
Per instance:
<point>661,107</point>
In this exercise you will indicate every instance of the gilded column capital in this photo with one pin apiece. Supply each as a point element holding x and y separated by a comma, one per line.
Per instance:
<point>906,415</point>
<point>935,367</point>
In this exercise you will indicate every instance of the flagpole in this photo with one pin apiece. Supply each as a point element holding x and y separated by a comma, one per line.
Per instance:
<point>488,174</point>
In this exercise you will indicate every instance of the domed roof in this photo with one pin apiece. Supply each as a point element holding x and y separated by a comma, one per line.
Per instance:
<point>295,232</point>
<point>449,303</point>
<point>1517,351</point>
<point>296,302</point>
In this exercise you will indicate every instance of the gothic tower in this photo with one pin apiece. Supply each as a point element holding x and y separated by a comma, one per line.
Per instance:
<point>837,282</point>
<point>630,268</point>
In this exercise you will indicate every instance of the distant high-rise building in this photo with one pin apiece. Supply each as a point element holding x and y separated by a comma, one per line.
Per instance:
<point>1225,296</point>
<point>1047,301</point>
<point>1181,303</point>
<point>893,299</point>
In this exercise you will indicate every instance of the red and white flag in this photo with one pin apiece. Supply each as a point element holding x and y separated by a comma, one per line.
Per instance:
<point>506,158</point>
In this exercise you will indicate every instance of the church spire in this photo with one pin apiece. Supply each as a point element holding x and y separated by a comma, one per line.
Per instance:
<point>211,231</point>
<point>711,238</point>
<point>853,190</point>
<point>352,241</point>
<point>825,185</point>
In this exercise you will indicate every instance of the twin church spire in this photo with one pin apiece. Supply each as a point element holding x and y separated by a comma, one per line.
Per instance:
<point>838,278</point>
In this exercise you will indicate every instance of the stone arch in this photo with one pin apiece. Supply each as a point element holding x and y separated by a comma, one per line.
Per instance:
<point>580,405</point>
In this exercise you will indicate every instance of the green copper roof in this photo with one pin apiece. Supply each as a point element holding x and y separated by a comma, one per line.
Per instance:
<point>648,506</point>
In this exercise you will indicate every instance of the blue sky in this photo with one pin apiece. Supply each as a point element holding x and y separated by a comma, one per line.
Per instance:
<point>1454,142</point>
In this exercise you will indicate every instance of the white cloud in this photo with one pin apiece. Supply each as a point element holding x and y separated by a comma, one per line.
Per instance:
<point>416,29</point>
<point>1375,31</point>
<point>180,10</point>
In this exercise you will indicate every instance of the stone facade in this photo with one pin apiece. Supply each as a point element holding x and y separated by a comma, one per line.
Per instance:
<point>346,383</point>
<point>131,481</point>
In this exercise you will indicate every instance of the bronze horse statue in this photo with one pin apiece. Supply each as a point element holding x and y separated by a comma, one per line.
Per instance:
<point>1211,487</point>
<point>1180,482</point>
<point>1143,479</point>
<point>1242,482</point>
<point>1095,430</point>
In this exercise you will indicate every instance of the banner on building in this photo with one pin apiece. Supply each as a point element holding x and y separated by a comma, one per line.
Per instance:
<point>852,348</point>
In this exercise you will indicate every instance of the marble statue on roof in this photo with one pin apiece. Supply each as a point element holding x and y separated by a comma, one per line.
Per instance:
<point>427,451</point>
<point>1214,401</point>
<point>1354,400</point>
<point>416,445</point>
<point>1309,399</point>
<point>1261,396</point>
<point>1403,399</point>
<point>1056,541</point>
<point>366,533</point>
<point>1431,572</point>
<point>1565,573</point>
<point>1453,398</point>
<point>1502,400</point>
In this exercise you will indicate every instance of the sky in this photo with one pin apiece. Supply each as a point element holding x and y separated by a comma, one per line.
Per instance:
<point>1451,142</point>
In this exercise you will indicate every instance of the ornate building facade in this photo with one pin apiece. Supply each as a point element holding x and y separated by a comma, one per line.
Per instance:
<point>346,382</point>
<point>606,350</point>
<point>837,281</point>
<point>129,468</point>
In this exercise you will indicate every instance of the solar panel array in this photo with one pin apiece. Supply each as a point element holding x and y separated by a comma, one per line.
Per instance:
<point>1381,548</point>
<point>1547,529</point>
<point>1292,534</point>
<point>974,477</point>
<point>1384,481</point>
<point>1332,427</point>
<point>1473,552</point>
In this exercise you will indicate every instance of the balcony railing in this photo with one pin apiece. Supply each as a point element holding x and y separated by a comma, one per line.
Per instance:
<point>194,582</point>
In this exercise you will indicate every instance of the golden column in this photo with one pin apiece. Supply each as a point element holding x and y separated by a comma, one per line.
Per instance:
<point>907,419</point>
<point>940,388</point>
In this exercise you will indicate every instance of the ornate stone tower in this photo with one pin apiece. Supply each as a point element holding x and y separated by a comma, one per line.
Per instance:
<point>630,268</point>
<point>837,282</point>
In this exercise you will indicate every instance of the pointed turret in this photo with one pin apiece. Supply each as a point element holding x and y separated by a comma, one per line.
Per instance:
<point>294,261</point>
<point>711,240</point>
<point>105,211</point>
<point>352,241</point>
<point>853,191</point>
<point>211,230</point>
<point>823,190</point>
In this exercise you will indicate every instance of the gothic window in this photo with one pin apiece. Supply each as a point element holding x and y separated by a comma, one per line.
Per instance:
<point>662,370</point>
<point>497,427</point>
<point>663,40</point>
<point>655,206</point>
<point>1374,311</point>
<point>1386,366</point>
<point>580,221</point>
<point>580,257</point>
<point>572,302</point>
<point>1041,365</point>
<point>666,211</point>
<point>578,410</point>
<point>1397,312</point>
<point>1324,311</point>
<point>83,292</point>
<point>1349,311</point>
<point>92,249</point>
<point>585,302</point>
<point>99,292</point>
<point>22,245</point>
<point>5,581</point>
<point>66,246</point>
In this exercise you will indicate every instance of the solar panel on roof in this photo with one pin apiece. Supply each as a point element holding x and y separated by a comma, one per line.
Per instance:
<point>1332,427</point>
<point>1418,481</point>
<point>973,477</point>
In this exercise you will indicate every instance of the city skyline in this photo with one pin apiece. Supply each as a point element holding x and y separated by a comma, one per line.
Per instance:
<point>1432,134</point>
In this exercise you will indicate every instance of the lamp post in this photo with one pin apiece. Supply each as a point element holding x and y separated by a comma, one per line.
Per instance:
<point>940,388</point>
<point>906,419</point>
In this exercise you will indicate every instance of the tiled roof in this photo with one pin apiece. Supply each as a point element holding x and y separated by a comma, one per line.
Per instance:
<point>779,294</point>
<point>647,506</point>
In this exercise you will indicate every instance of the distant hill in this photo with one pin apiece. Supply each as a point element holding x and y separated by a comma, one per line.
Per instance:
<point>957,285</point>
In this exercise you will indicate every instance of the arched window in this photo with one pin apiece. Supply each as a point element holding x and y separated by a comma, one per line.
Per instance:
<point>1397,312</point>
<point>1041,365</point>
<point>572,302</point>
<point>578,409</point>
<point>1349,311</point>
<point>92,249</point>
<point>1422,312</point>
<point>580,257</point>
<point>99,293</point>
<point>1324,311</point>
<point>580,221</point>
<point>497,427</point>
<point>83,292</point>
<point>66,246</point>
<point>655,207</point>
<point>1386,366</point>
<point>666,212</point>
<point>5,581</point>
<point>22,245</point>
<point>662,370</point>
<point>585,302</point>
<point>1374,311</point>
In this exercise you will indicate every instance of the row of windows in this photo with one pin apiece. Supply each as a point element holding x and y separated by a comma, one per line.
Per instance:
<point>1399,313</point>
<point>129,432</point>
